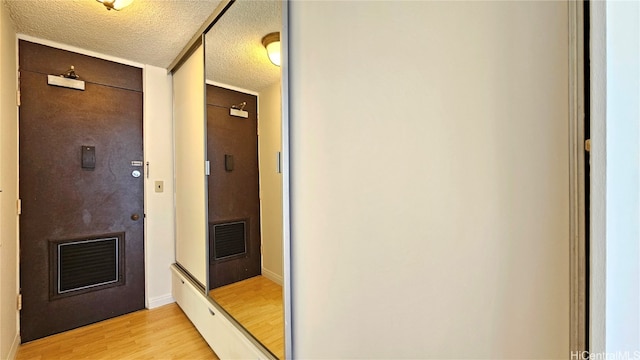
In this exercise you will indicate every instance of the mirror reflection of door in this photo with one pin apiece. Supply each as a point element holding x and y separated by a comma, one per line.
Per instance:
<point>233,199</point>
<point>245,184</point>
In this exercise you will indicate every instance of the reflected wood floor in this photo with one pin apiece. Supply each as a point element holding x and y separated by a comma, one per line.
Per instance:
<point>256,303</point>
<point>160,333</point>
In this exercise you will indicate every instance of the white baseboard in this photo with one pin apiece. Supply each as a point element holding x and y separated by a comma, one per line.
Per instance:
<point>14,348</point>
<point>158,301</point>
<point>272,276</point>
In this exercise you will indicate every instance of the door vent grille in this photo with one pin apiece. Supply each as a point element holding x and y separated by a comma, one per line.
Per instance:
<point>87,264</point>
<point>229,239</point>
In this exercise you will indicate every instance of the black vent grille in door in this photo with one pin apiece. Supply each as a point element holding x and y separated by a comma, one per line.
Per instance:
<point>229,239</point>
<point>86,264</point>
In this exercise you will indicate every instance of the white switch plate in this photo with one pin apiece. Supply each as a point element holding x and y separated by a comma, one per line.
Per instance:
<point>159,186</point>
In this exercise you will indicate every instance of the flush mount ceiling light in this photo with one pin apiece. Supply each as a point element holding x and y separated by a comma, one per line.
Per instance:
<point>115,4</point>
<point>272,43</point>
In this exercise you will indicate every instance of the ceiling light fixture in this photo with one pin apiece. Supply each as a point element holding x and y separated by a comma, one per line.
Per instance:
<point>272,43</point>
<point>115,4</point>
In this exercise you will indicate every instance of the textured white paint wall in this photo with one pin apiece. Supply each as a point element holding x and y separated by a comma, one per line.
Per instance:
<point>615,90</point>
<point>623,176</point>
<point>270,140</point>
<point>9,317</point>
<point>159,224</point>
<point>429,170</point>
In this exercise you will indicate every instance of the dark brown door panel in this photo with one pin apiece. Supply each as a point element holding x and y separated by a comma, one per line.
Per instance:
<point>62,200</point>
<point>47,60</point>
<point>233,192</point>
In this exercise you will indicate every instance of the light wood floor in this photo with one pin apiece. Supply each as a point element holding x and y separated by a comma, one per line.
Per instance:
<point>160,333</point>
<point>256,303</point>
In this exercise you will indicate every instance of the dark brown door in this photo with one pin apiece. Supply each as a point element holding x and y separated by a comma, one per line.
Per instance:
<point>234,202</point>
<point>81,227</point>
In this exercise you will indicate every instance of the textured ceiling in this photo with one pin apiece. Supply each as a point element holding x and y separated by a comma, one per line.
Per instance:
<point>234,52</point>
<point>155,31</point>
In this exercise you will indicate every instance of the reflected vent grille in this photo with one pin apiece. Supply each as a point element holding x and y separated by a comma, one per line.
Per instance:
<point>229,239</point>
<point>85,264</point>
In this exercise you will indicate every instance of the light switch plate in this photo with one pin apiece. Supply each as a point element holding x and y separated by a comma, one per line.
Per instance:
<point>159,186</point>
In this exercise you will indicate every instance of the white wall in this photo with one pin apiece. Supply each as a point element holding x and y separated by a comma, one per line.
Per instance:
<point>430,179</point>
<point>269,143</point>
<point>622,176</point>
<point>159,224</point>
<point>615,188</point>
<point>9,317</point>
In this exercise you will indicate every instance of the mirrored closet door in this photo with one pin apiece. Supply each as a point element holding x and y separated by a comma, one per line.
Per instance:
<point>229,212</point>
<point>244,188</point>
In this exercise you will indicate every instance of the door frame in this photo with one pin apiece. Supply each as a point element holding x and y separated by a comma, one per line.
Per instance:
<point>577,210</point>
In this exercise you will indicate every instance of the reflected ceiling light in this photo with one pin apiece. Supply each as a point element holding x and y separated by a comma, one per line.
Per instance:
<point>272,43</point>
<point>115,4</point>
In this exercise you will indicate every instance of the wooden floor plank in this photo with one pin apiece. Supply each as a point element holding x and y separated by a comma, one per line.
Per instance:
<point>160,333</point>
<point>256,303</point>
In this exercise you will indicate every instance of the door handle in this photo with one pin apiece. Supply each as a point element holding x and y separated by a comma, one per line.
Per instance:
<point>135,217</point>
